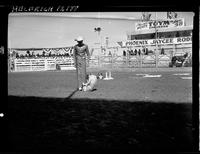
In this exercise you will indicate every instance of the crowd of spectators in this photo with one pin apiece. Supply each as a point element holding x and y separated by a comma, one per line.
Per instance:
<point>43,55</point>
<point>128,52</point>
<point>144,51</point>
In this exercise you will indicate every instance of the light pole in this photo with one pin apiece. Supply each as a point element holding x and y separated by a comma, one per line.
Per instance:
<point>98,30</point>
<point>156,39</point>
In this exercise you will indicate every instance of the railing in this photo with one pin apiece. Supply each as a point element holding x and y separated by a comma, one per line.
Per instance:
<point>43,64</point>
<point>67,63</point>
<point>130,61</point>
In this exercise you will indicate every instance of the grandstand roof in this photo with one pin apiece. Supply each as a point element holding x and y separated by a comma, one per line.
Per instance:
<point>160,30</point>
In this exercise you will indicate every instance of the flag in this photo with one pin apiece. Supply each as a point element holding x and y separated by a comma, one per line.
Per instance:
<point>146,16</point>
<point>172,15</point>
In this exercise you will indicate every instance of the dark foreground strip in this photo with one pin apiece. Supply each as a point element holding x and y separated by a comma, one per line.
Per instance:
<point>56,124</point>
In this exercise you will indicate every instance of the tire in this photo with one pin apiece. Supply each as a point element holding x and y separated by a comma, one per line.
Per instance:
<point>170,64</point>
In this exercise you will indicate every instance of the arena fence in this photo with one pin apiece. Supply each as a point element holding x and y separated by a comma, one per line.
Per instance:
<point>42,64</point>
<point>103,61</point>
<point>153,59</point>
<point>131,61</point>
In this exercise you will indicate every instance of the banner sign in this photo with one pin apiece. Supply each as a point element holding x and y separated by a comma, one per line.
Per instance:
<point>22,65</point>
<point>50,64</point>
<point>38,64</point>
<point>42,64</point>
<point>68,61</point>
<point>159,24</point>
<point>164,41</point>
<point>29,64</point>
<point>141,26</point>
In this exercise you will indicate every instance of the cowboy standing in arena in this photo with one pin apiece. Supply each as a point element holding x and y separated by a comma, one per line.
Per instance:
<point>80,52</point>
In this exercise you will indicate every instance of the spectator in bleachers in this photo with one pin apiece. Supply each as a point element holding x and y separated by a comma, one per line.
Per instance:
<point>139,52</point>
<point>135,52</point>
<point>147,51</point>
<point>124,53</point>
<point>43,53</point>
<point>162,51</point>
<point>131,52</point>
<point>17,55</point>
<point>67,54</point>
<point>27,53</point>
<point>143,50</point>
<point>33,55</point>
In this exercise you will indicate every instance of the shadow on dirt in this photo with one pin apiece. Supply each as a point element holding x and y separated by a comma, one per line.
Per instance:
<point>58,124</point>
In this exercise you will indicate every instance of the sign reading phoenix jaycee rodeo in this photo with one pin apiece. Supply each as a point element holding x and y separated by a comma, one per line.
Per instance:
<point>164,41</point>
<point>159,24</point>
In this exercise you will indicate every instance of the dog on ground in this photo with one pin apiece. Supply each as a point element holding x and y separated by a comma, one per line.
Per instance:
<point>91,82</point>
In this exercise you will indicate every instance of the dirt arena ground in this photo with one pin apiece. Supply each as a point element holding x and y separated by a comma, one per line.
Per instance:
<point>131,112</point>
<point>127,85</point>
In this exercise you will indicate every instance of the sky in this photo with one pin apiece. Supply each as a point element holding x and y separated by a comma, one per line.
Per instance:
<point>26,30</point>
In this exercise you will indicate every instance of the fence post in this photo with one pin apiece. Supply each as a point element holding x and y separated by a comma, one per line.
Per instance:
<point>111,61</point>
<point>140,60</point>
<point>71,60</point>
<point>14,64</point>
<point>45,64</point>
<point>174,50</point>
<point>31,65</point>
<point>127,59</point>
<point>98,61</point>
<point>9,70</point>
<point>156,59</point>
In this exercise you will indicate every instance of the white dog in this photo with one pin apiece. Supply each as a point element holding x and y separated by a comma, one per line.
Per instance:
<point>91,82</point>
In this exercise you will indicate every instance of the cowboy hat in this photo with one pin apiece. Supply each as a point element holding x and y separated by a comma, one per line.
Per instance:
<point>80,38</point>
